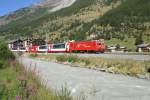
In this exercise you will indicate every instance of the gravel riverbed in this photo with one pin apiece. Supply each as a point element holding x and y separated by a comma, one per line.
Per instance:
<point>91,84</point>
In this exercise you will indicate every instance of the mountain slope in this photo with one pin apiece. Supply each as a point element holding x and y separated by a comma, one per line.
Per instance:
<point>130,19</point>
<point>124,24</point>
<point>12,24</point>
<point>29,24</point>
<point>36,10</point>
<point>108,19</point>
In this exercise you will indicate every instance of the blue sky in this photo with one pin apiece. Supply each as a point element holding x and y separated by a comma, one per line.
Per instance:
<point>7,6</point>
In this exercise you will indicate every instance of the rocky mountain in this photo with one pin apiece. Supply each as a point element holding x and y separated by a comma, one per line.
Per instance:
<point>57,4</point>
<point>36,10</point>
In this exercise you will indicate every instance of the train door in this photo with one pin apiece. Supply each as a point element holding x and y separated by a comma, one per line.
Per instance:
<point>68,46</point>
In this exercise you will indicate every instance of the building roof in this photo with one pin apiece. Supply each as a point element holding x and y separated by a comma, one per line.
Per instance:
<point>115,46</point>
<point>15,40</point>
<point>143,45</point>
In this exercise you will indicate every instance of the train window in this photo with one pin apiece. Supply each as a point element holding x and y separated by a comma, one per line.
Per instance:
<point>43,47</point>
<point>58,46</point>
<point>22,48</point>
<point>15,48</point>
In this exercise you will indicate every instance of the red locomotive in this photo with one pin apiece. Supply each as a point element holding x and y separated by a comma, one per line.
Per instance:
<point>86,46</point>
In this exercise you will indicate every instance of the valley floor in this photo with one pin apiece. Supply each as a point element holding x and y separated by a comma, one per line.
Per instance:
<point>90,84</point>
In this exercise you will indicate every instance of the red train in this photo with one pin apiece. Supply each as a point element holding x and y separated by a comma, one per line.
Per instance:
<point>80,46</point>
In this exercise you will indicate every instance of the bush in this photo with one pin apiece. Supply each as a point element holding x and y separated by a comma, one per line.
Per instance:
<point>33,55</point>
<point>5,53</point>
<point>71,58</point>
<point>1,64</point>
<point>61,58</point>
<point>68,58</point>
<point>87,62</point>
<point>148,70</point>
<point>20,53</point>
<point>2,90</point>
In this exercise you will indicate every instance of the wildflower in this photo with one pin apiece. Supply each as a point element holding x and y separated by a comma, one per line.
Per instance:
<point>17,98</point>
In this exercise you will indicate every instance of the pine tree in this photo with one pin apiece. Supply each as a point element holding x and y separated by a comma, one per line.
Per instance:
<point>139,39</point>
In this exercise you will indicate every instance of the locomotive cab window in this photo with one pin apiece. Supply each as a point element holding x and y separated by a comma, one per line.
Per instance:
<point>98,43</point>
<point>58,46</point>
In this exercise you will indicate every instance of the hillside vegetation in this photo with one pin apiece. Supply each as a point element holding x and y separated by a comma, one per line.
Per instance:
<point>130,19</point>
<point>27,25</point>
<point>113,20</point>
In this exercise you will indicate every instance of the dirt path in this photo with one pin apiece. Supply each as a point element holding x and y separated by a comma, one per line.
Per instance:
<point>94,85</point>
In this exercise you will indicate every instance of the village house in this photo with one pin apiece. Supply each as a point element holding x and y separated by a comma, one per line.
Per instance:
<point>143,48</point>
<point>95,34</point>
<point>19,44</point>
<point>15,44</point>
<point>116,48</point>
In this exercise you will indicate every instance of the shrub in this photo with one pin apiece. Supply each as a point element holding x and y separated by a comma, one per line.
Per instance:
<point>61,58</point>
<point>1,64</point>
<point>20,53</point>
<point>5,53</point>
<point>68,58</point>
<point>2,90</point>
<point>148,70</point>
<point>86,61</point>
<point>71,58</point>
<point>33,55</point>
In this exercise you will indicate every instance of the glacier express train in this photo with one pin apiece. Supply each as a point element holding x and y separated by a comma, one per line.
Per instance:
<point>72,46</point>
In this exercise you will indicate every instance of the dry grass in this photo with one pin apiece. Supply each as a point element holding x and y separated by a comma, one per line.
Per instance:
<point>126,67</point>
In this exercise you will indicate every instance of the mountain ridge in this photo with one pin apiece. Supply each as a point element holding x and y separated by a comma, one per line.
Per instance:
<point>47,6</point>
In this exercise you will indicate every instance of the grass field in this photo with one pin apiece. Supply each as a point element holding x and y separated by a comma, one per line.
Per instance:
<point>129,43</point>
